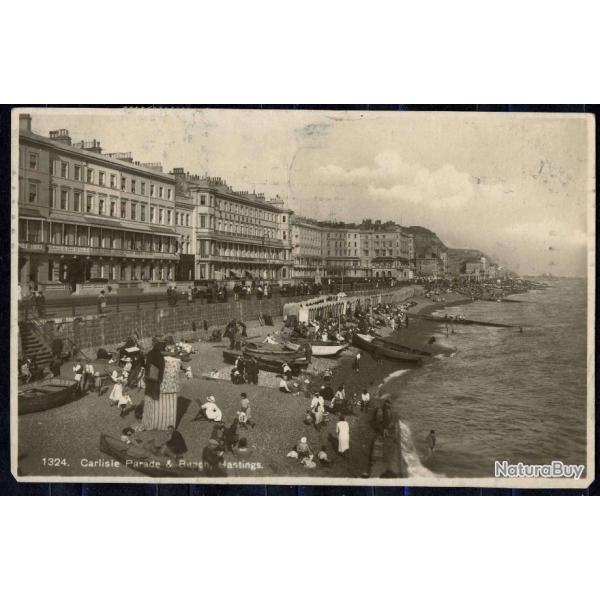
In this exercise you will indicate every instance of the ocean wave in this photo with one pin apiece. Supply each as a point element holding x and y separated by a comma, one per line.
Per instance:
<point>393,376</point>
<point>410,456</point>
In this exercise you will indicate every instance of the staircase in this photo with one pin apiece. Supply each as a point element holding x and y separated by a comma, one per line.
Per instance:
<point>34,345</point>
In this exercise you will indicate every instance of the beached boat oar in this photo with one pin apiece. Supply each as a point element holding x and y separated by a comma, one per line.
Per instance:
<point>143,460</point>
<point>47,394</point>
<point>376,344</point>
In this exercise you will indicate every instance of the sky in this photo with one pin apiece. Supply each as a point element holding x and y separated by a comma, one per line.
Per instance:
<point>514,186</point>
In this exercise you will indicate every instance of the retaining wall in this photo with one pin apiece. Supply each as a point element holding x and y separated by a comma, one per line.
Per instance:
<point>92,332</point>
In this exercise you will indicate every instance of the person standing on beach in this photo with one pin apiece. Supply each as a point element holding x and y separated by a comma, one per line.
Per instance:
<point>431,442</point>
<point>343,433</point>
<point>356,365</point>
<point>365,398</point>
<point>317,407</point>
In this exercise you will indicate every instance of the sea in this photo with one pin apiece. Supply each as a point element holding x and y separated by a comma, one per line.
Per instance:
<point>502,394</point>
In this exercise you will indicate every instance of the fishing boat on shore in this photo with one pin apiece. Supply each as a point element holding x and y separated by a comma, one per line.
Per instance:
<point>47,394</point>
<point>143,460</point>
<point>371,343</point>
<point>321,348</point>
<point>274,364</point>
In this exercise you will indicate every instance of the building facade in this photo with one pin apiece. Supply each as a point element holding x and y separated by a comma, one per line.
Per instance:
<point>341,251</point>
<point>387,252</point>
<point>307,250</point>
<point>432,262</point>
<point>238,235</point>
<point>86,216</point>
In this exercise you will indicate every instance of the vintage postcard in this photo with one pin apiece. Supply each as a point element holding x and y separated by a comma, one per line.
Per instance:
<point>303,296</point>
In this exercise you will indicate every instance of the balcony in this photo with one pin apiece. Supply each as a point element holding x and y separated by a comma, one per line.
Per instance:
<point>94,251</point>
<point>250,260</point>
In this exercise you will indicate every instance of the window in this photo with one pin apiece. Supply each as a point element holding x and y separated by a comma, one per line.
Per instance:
<point>160,192</point>
<point>123,184</point>
<point>133,211</point>
<point>283,218</point>
<point>187,220</point>
<point>33,192</point>
<point>77,172</point>
<point>203,221</point>
<point>53,198</point>
<point>89,203</point>
<point>101,178</point>
<point>161,215</point>
<point>169,217</point>
<point>64,170</point>
<point>55,167</point>
<point>123,209</point>
<point>77,201</point>
<point>169,192</point>
<point>113,208</point>
<point>113,180</point>
<point>90,175</point>
<point>64,199</point>
<point>152,214</point>
<point>152,190</point>
<point>133,186</point>
<point>142,213</point>
<point>101,204</point>
<point>33,161</point>
<point>143,186</point>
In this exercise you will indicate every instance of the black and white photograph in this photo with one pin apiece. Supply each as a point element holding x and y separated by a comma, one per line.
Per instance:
<point>350,297</point>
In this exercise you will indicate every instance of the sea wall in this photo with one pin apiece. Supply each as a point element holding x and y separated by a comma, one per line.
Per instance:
<point>95,331</point>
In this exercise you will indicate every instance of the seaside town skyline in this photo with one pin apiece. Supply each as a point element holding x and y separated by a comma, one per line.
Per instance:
<point>530,216</point>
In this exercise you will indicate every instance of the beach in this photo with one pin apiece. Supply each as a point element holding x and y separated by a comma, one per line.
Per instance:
<point>72,432</point>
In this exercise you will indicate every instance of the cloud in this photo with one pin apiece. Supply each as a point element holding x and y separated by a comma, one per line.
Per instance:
<point>548,231</point>
<point>393,179</point>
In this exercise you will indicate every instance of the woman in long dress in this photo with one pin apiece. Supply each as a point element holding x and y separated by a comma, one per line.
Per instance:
<point>161,413</point>
<point>343,433</point>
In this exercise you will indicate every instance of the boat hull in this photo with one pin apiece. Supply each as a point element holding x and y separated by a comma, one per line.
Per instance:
<point>46,395</point>
<point>267,363</point>
<point>325,351</point>
<point>371,344</point>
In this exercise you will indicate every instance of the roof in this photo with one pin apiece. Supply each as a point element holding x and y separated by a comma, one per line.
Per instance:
<point>96,157</point>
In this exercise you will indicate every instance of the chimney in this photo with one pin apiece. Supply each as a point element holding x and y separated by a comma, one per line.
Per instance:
<point>25,122</point>
<point>61,135</point>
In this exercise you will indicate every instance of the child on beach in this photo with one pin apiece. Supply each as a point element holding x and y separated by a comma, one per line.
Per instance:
<point>117,392</point>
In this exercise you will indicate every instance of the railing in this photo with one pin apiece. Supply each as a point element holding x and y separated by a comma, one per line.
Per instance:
<point>98,251</point>
<point>38,328</point>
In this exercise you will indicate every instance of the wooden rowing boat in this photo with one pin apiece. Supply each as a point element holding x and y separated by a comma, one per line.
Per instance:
<point>47,394</point>
<point>376,344</point>
<point>273,364</point>
<point>322,348</point>
<point>143,460</point>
